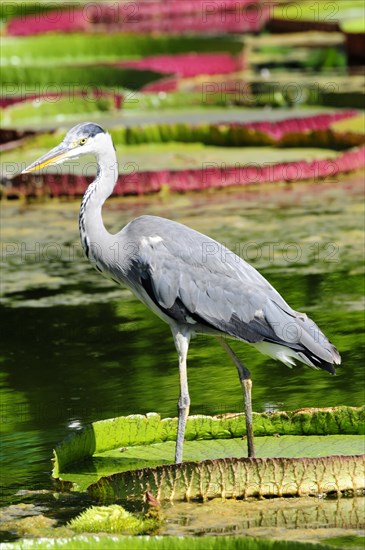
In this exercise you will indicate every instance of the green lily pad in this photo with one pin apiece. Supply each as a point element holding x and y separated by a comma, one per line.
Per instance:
<point>354,25</point>
<point>131,458</point>
<point>85,48</point>
<point>176,156</point>
<point>129,443</point>
<point>354,124</point>
<point>237,478</point>
<point>71,78</point>
<point>56,107</point>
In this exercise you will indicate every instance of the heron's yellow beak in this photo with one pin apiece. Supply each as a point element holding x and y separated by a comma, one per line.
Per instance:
<point>56,155</point>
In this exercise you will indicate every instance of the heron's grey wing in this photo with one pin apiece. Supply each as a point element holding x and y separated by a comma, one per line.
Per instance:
<point>196,280</point>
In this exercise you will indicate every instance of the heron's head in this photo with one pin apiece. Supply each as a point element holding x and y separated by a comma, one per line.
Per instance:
<point>82,139</point>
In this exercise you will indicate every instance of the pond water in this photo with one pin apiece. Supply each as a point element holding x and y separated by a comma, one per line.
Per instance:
<point>77,348</point>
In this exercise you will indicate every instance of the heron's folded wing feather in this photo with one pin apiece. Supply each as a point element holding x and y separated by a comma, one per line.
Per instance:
<point>216,291</point>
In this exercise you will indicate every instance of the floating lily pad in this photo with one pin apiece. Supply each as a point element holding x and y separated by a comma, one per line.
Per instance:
<point>237,478</point>
<point>354,25</point>
<point>175,156</point>
<point>313,130</point>
<point>85,48</point>
<point>305,131</point>
<point>355,124</point>
<point>210,167</point>
<point>57,107</point>
<point>130,443</point>
<point>72,78</point>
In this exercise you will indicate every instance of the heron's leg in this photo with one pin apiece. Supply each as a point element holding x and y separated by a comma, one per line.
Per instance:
<point>182,339</point>
<point>246,382</point>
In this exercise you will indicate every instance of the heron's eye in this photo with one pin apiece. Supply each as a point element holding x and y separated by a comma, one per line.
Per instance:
<point>82,141</point>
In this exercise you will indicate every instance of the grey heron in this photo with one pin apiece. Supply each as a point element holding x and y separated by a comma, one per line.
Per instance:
<point>189,280</point>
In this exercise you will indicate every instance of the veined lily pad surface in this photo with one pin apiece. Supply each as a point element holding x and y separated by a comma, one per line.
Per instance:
<point>144,442</point>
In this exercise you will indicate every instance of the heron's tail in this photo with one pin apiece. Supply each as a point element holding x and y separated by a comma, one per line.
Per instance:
<point>302,340</point>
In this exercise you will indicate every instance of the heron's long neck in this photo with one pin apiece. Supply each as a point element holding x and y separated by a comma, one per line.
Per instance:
<point>94,237</point>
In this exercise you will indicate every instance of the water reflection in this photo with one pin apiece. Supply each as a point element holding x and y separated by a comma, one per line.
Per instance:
<point>268,518</point>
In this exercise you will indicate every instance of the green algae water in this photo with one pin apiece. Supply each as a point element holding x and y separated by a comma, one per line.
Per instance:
<point>77,348</point>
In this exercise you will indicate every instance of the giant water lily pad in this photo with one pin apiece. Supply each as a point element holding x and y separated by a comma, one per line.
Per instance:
<point>174,156</point>
<point>303,130</point>
<point>237,478</point>
<point>354,124</point>
<point>132,449</point>
<point>182,167</point>
<point>72,78</point>
<point>84,48</point>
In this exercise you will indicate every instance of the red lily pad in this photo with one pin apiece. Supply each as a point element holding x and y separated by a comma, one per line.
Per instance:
<point>252,169</point>
<point>187,65</point>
